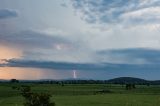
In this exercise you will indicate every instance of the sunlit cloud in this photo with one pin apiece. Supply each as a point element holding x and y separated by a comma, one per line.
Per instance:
<point>9,53</point>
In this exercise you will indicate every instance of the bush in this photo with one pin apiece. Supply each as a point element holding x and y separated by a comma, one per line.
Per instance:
<point>103,91</point>
<point>130,86</point>
<point>14,81</point>
<point>35,99</point>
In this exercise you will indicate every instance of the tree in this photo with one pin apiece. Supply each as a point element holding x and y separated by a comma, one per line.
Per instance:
<point>130,86</point>
<point>35,99</point>
<point>14,81</point>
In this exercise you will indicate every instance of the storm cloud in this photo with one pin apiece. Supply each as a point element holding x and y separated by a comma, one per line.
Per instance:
<point>99,37</point>
<point>7,13</point>
<point>33,39</point>
<point>88,67</point>
<point>126,59</point>
<point>130,56</point>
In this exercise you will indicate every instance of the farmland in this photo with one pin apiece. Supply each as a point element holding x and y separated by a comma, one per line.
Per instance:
<point>86,94</point>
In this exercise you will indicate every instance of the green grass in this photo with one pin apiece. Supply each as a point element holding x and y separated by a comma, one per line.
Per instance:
<point>108,100</point>
<point>86,95</point>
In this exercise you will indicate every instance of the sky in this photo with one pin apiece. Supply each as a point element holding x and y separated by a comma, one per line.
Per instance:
<point>83,39</point>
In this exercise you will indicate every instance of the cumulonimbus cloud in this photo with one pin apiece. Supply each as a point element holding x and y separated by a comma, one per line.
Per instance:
<point>66,66</point>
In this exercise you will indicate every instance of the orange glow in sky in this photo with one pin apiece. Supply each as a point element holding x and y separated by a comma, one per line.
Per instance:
<point>9,53</point>
<point>28,73</point>
<point>19,73</point>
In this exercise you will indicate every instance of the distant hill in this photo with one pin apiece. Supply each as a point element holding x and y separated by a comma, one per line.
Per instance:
<point>156,82</point>
<point>122,80</point>
<point>119,80</point>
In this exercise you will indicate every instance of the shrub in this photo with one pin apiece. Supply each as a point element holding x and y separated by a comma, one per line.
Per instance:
<point>130,86</point>
<point>35,99</point>
<point>14,81</point>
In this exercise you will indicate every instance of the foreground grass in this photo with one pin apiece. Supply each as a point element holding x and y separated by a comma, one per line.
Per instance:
<point>84,95</point>
<point>109,100</point>
<point>94,100</point>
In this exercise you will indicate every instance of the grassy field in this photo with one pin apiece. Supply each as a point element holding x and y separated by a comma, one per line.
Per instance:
<point>86,95</point>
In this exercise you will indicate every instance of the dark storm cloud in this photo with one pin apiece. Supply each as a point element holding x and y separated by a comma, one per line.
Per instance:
<point>133,55</point>
<point>64,66</point>
<point>32,39</point>
<point>117,11</point>
<point>53,65</point>
<point>7,13</point>
<point>130,57</point>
